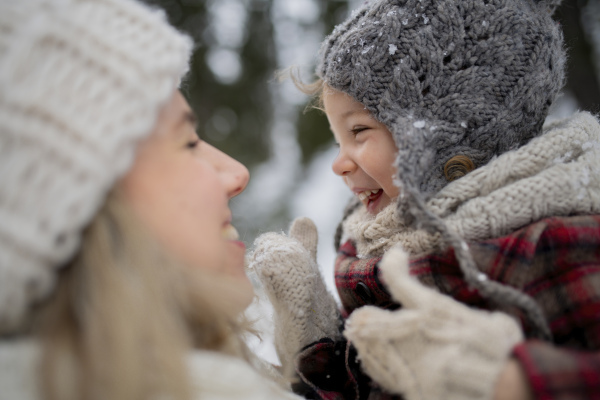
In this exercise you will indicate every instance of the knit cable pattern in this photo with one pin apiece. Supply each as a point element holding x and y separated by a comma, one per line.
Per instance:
<point>556,174</point>
<point>81,82</point>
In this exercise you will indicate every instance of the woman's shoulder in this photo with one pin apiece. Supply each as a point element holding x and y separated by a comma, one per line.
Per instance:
<point>218,376</point>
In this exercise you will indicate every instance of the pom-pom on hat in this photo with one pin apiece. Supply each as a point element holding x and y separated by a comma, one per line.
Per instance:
<point>81,82</point>
<point>472,78</point>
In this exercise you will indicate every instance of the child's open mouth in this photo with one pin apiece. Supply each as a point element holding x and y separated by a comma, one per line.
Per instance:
<point>370,198</point>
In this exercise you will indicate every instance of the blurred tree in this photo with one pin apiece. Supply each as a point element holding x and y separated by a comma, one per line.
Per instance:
<point>237,115</point>
<point>239,46</point>
<point>582,80</point>
<point>313,128</point>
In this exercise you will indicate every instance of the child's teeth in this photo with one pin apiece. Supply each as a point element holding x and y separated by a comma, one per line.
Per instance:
<point>230,233</point>
<point>363,195</point>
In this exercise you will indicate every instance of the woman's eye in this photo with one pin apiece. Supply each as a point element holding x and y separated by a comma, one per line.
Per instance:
<point>192,144</point>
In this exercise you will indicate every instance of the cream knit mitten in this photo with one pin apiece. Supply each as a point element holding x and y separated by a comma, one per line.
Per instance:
<point>434,347</point>
<point>304,310</point>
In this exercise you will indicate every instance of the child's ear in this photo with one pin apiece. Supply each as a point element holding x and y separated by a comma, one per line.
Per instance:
<point>547,5</point>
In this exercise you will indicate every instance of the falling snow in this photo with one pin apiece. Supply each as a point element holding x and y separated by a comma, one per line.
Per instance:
<point>392,49</point>
<point>419,124</point>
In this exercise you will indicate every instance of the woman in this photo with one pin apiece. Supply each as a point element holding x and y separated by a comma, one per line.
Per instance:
<point>121,276</point>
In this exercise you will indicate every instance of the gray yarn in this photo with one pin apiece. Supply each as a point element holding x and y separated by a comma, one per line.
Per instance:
<point>494,291</point>
<point>447,77</point>
<point>480,73</point>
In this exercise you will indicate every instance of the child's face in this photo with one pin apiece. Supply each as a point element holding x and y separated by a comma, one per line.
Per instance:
<point>367,151</point>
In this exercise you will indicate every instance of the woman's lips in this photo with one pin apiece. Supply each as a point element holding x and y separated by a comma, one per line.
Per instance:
<point>231,234</point>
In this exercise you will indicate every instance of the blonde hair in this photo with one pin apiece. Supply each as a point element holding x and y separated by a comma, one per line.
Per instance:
<point>124,315</point>
<point>316,89</point>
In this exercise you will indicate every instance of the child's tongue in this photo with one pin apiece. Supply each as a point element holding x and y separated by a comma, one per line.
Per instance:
<point>372,201</point>
<point>374,195</point>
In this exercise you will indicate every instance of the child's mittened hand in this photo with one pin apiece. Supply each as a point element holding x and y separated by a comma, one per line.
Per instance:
<point>434,347</point>
<point>304,310</point>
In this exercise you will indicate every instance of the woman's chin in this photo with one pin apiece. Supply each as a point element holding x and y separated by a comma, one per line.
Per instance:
<point>242,293</point>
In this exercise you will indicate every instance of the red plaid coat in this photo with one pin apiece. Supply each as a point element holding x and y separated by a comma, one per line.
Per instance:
<point>556,261</point>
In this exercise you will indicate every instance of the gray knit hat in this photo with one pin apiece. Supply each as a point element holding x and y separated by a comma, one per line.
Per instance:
<point>468,80</point>
<point>447,77</point>
<point>81,82</point>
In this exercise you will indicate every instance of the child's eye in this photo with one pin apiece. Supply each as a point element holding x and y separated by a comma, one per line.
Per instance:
<point>358,129</point>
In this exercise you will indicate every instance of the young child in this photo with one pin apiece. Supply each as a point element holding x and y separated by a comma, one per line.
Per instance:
<point>474,226</point>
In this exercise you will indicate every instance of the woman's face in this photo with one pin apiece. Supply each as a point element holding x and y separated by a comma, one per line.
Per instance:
<point>180,186</point>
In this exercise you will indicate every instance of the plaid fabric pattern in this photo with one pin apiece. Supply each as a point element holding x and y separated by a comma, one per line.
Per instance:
<point>557,373</point>
<point>556,261</point>
<point>358,282</point>
<point>329,370</point>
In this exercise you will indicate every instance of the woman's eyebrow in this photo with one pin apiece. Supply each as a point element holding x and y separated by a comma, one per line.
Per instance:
<point>189,117</point>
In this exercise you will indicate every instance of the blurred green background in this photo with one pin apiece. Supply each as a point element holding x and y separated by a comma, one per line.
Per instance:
<point>245,112</point>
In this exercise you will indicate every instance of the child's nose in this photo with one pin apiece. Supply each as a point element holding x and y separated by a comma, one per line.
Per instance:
<point>343,165</point>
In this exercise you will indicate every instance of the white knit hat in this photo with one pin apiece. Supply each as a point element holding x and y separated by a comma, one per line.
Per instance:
<point>81,81</point>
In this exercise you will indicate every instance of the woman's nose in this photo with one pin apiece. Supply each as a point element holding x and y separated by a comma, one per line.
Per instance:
<point>238,177</point>
<point>233,174</point>
<point>343,165</point>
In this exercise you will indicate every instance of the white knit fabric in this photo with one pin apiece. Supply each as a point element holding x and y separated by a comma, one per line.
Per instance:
<point>556,174</point>
<point>81,81</point>
<point>304,310</point>
<point>434,347</point>
<point>213,376</point>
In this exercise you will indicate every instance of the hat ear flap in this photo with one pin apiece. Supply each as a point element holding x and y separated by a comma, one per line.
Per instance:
<point>548,5</point>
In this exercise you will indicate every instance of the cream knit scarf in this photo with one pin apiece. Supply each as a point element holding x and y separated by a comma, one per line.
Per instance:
<point>556,174</point>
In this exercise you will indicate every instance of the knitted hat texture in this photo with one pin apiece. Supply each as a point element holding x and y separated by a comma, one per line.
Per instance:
<point>81,82</point>
<point>470,78</point>
<point>447,77</point>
